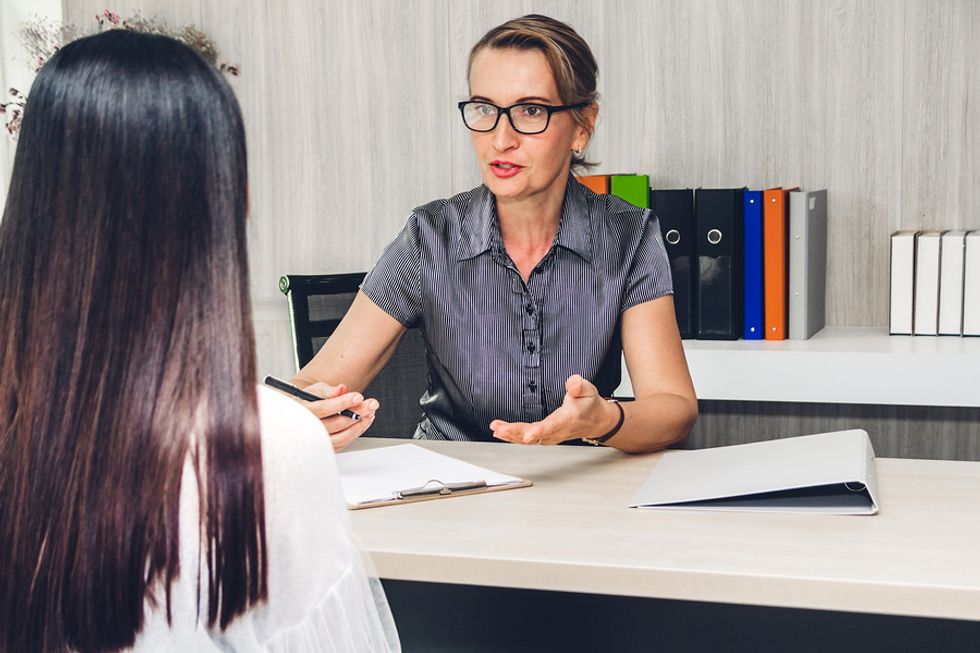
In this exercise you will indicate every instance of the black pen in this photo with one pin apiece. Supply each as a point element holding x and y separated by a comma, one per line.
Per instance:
<point>289,388</point>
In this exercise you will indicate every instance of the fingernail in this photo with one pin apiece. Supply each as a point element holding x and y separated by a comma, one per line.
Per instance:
<point>356,398</point>
<point>374,404</point>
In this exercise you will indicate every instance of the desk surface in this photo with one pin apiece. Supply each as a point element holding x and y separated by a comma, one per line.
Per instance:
<point>572,531</point>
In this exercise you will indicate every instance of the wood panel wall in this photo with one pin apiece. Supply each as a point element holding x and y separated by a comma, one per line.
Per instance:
<point>351,119</point>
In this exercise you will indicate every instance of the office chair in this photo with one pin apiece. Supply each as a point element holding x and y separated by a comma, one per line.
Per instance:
<point>317,303</point>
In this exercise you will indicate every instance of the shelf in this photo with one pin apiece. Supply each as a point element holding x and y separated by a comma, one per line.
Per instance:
<point>839,365</point>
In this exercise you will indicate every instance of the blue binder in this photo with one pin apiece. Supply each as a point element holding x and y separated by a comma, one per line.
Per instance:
<point>753,290</point>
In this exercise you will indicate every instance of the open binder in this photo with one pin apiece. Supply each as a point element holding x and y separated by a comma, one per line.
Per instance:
<point>406,473</point>
<point>825,473</point>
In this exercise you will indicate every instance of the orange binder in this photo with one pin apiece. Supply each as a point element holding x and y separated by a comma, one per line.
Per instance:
<point>596,183</point>
<point>774,248</point>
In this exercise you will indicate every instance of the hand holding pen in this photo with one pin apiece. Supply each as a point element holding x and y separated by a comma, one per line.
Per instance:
<point>345,415</point>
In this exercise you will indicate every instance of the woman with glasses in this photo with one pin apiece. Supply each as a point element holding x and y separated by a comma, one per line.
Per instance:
<point>527,288</point>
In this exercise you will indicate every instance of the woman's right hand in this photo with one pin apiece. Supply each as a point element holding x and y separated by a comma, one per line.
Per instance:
<point>342,430</point>
<point>356,351</point>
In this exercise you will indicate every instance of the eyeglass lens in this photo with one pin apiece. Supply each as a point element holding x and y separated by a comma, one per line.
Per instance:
<point>526,118</point>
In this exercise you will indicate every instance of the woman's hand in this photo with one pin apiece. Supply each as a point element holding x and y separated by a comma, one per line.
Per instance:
<point>582,414</point>
<point>343,430</point>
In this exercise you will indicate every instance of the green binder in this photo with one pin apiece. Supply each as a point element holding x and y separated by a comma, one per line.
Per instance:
<point>635,189</point>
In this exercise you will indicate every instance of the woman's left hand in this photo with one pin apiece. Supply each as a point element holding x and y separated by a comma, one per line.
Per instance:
<point>582,414</point>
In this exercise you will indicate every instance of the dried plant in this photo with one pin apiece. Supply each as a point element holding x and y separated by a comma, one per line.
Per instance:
<point>43,37</point>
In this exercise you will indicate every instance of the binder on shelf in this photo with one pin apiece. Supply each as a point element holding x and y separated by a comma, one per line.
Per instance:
<point>596,183</point>
<point>718,223</point>
<point>635,189</point>
<point>824,473</point>
<point>752,265</point>
<point>775,255</point>
<point>675,212</point>
<point>807,262</point>
<point>406,473</point>
<point>971,285</point>
<point>951,283</point>
<point>926,303</point>
<point>901,283</point>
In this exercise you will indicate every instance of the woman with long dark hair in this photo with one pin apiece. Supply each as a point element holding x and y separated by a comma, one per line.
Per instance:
<point>147,503</point>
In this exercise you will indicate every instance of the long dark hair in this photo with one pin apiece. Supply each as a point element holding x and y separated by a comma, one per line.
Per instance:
<point>126,347</point>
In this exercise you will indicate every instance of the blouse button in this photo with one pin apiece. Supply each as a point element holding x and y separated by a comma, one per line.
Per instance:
<point>532,386</point>
<point>531,348</point>
<point>530,309</point>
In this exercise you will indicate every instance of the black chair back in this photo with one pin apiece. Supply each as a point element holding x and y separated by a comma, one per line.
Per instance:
<point>317,303</point>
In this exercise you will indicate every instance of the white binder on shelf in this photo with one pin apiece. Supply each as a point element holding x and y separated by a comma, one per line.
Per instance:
<point>928,250</point>
<point>807,262</point>
<point>824,473</point>
<point>951,284</point>
<point>971,285</point>
<point>901,283</point>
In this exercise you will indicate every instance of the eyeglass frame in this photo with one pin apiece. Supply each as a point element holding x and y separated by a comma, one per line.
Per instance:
<point>506,111</point>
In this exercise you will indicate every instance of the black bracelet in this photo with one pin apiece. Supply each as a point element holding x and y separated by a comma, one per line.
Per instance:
<point>619,424</point>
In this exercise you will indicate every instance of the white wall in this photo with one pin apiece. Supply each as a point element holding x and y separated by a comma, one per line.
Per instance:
<point>349,109</point>
<point>15,70</point>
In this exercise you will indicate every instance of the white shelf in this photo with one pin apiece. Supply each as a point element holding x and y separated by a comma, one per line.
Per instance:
<point>839,365</point>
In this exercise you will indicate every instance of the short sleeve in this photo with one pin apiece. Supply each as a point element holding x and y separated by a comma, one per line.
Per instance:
<point>649,272</point>
<point>395,282</point>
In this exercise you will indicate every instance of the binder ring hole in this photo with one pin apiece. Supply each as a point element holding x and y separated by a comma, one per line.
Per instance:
<point>673,237</point>
<point>854,487</point>
<point>714,236</point>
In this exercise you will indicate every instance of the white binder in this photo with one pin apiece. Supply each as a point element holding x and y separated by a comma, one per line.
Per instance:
<point>951,283</point>
<point>822,473</point>
<point>928,253</point>
<point>971,285</point>
<point>807,262</point>
<point>902,283</point>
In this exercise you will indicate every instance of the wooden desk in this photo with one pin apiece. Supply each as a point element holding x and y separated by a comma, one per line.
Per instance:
<point>572,532</point>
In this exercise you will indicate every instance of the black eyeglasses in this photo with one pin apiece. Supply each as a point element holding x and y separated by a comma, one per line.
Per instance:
<point>525,118</point>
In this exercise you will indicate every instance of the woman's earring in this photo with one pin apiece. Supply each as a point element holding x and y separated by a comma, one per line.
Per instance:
<point>578,152</point>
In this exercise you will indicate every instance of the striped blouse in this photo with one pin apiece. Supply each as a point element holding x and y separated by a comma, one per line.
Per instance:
<point>500,348</point>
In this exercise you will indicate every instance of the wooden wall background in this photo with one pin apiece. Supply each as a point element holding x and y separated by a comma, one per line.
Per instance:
<point>349,107</point>
<point>16,70</point>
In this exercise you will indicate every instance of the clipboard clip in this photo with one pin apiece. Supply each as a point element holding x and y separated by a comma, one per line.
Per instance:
<point>435,486</point>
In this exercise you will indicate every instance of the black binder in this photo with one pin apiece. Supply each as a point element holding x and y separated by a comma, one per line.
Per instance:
<point>675,211</point>
<point>718,223</point>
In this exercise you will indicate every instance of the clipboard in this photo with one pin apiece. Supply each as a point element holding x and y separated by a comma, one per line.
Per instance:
<point>831,473</point>
<point>408,473</point>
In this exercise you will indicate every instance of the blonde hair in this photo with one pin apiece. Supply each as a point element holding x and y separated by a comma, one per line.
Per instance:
<point>568,55</point>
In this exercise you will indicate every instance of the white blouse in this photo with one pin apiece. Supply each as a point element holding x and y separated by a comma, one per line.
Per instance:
<point>320,595</point>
